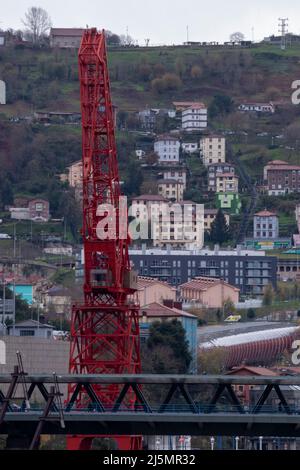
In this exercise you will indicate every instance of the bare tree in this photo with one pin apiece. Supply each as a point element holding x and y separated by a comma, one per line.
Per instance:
<point>237,37</point>
<point>38,22</point>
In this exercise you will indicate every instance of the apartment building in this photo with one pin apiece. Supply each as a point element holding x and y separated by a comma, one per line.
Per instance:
<point>208,292</point>
<point>167,148</point>
<point>282,178</point>
<point>171,189</point>
<point>213,149</point>
<point>227,183</point>
<point>194,118</point>
<point>248,270</point>
<point>215,169</point>
<point>265,225</point>
<point>175,173</point>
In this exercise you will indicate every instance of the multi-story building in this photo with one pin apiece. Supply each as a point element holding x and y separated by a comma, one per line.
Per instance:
<point>282,178</point>
<point>180,225</point>
<point>215,169</point>
<point>151,290</point>
<point>147,118</point>
<point>171,189</point>
<point>194,118</point>
<point>66,37</point>
<point>247,270</point>
<point>209,217</point>
<point>227,183</point>
<point>257,108</point>
<point>265,225</point>
<point>213,149</point>
<point>208,292</point>
<point>73,175</point>
<point>175,173</point>
<point>167,148</point>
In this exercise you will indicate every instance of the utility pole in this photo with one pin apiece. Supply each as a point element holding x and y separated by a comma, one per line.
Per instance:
<point>283,29</point>
<point>187,34</point>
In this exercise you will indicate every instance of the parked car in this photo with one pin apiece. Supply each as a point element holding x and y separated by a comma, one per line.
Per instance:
<point>4,236</point>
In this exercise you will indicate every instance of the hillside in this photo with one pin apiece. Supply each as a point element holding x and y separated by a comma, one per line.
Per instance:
<point>32,155</point>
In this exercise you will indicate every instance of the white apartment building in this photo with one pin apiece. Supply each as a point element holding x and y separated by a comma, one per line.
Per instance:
<point>167,148</point>
<point>213,149</point>
<point>178,174</point>
<point>194,118</point>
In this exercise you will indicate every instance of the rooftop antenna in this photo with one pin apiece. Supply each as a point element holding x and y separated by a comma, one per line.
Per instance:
<point>283,29</point>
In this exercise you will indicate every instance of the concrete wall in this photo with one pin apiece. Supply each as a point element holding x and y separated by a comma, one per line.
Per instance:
<point>40,356</point>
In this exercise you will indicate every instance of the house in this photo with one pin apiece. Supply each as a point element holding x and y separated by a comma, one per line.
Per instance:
<point>194,118</point>
<point>58,249</point>
<point>182,105</point>
<point>255,107</point>
<point>282,178</point>
<point>213,149</point>
<point>151,290</point>
<point>2,92</point>
<point>157,312</point>
<point>229,201</point>
<point>227,183</point>
<point>167,148</point>
<point>209,217</point>
<point>73,175</point>
<point>171,189</point>
<point>208,292</point>
<point>139,203</point>
<point>58,300</point>
<point>265,225</point>
<point>37,210</point>
<point>31,328</point>
<point>175,173</point>
<point>147,118</point>
<point>140,153</point>
<point>215,169</point>
<point>66,37</point>
<point>190,147</point>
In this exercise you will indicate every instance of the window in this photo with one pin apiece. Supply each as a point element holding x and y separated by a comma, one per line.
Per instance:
<point>27,333</point>
<point>39,206</point>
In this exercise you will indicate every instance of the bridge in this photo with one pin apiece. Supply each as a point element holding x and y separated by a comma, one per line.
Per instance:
<point>163,405</point>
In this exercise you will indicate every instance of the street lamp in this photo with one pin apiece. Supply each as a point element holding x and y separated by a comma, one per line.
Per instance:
<point>212,443</point>
<point>237,443</point>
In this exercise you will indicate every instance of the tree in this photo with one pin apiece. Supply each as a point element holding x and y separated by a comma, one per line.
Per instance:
<point>196,72</point>
<point>237,37</point>
<point>251,314</point>
<point>221,104</point>
<point>228,307</point>
<point>219,232</point>
<point>170,334</point>
<point>38,22</point>
<point>268,295</point>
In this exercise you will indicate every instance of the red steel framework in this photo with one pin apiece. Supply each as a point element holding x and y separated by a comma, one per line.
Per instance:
<point>105,328</point>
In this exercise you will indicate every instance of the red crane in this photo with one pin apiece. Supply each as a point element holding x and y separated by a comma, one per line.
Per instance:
<point>105,328</point>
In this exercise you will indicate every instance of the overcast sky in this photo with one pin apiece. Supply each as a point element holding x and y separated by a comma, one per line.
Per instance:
<point>163,21</point>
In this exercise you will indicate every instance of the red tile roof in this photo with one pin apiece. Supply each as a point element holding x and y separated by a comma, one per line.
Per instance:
<point>252,371</point>
<point>265,213</point>
<point>204,283</point>
<point>150,197</point>
<point>158,310</point>
<point>148,281</point>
